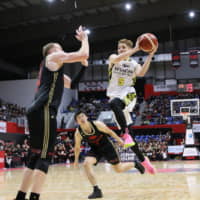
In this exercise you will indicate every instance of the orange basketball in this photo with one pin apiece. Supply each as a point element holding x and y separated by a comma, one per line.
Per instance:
<point>147,42</point>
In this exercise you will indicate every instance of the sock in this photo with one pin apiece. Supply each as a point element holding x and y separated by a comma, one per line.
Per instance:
<point>138,153</point>
<point>34,196</point>
<point>20,195</point>
<point>135,148</point>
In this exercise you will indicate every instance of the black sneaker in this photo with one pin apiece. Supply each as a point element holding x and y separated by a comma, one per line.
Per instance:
<point>15,199</point>
<point>139,167</point>
<point>96,194</point>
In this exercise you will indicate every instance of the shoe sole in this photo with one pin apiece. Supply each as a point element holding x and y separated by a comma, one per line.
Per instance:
<point>129,145</point>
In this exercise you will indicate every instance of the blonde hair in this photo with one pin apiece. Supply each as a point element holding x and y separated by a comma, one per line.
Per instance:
<point>129,43</point>
<point>47,47</point>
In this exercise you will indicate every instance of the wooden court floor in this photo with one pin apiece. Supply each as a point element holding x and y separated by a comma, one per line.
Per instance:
<point>175,180</point>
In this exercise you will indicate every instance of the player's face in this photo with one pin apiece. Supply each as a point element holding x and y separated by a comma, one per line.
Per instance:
<point>55,48</point>
<point>81,118</point>
<point>122,47</point>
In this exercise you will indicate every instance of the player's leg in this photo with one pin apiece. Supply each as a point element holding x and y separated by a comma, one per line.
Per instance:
<point>135,147</point>
<point>88,164</point>
<point>122,167</point>
<point>88,167</point>
<point>144,160</point>
<point>47,143</point>
<point>40,172</point>
<point>34,129</point>
<point>25,185</point>
<point>117,105</point>
<point>28,176</point>
<point>111,155</point>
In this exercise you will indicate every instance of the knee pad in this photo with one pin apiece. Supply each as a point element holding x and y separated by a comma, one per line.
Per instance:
<point>32,160</point>
<point>43,165</point>
<point>117,103</point>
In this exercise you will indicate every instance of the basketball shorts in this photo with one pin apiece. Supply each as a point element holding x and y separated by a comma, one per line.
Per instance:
<point>106,151</point>
<point>128,96</point>
<point>42,127</point>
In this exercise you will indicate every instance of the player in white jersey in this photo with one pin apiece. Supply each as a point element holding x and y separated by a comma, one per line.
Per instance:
<point>122,76</point>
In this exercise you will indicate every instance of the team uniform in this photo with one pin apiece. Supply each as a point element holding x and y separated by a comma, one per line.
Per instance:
<point>100,145</point>
<point>122,77</point>
<point>122,101</point>
<point>43,110</point>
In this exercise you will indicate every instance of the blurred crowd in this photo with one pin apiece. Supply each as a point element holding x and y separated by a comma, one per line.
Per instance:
<point>8,111</point>
<point>91,105</point>
<point>15,154</point>
<point>156,111</point>
<point>154,146</point>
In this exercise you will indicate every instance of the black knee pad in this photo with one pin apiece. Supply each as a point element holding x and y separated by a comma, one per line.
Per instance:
<point>117,103</point>
<point>32,160</point>
<point>43,165</point>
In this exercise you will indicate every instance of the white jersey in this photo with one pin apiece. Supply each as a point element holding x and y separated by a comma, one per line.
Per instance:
<point>122,77</point>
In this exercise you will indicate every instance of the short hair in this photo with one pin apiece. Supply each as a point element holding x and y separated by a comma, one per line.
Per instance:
<point>129,43</point>
<point>78,113</point>
<point>47,47</point>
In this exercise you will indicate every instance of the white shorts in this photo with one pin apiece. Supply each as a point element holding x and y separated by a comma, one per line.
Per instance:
<point>128,96</point>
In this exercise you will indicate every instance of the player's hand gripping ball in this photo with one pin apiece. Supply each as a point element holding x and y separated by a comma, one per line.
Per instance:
<point>147,42</point>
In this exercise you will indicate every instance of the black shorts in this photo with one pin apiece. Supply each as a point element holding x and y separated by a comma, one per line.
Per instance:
<point>42,127</point>
<point>106,151</point>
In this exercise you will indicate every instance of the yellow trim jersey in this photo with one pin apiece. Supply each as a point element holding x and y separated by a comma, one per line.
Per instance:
<point>122,77</point>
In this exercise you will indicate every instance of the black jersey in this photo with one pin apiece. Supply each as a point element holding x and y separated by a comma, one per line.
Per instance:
<point>50,87</point>
<point>96,137</point>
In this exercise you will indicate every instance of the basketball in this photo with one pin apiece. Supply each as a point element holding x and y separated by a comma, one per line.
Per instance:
<point>147,42</point>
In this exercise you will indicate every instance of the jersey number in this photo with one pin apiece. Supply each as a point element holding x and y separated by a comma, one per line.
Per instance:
<point>121,81</point>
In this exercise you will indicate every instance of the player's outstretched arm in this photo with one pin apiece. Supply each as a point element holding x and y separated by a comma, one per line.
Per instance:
<point>102,127</point>
<point>77,148</point>
<point>142,70</point>
<point>55,60</point>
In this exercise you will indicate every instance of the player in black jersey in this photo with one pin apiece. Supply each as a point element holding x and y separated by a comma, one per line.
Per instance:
<point>43,110</point>
<point>96,133</point>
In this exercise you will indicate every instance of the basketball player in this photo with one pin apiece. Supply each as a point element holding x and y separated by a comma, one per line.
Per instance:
<point>122,74</point>
<point>42,113</point>
<point>96,134</point>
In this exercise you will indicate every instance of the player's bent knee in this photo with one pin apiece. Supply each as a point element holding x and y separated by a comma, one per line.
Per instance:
<point>32,160</point>
<point>43,165</point>
<point>86,164</point>
<point>116,103</point>
<point>89,162</point>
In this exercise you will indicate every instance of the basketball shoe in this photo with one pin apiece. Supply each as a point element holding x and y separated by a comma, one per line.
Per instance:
<point>95,194</point>
<point>128,141</point>
<point>148,166</point>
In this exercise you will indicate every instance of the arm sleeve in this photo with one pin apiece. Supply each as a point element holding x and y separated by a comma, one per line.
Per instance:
<point>77,77</point>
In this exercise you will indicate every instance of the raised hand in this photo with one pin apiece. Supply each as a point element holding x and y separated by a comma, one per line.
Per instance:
<point>81,34</point>
<point>154,51</point>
